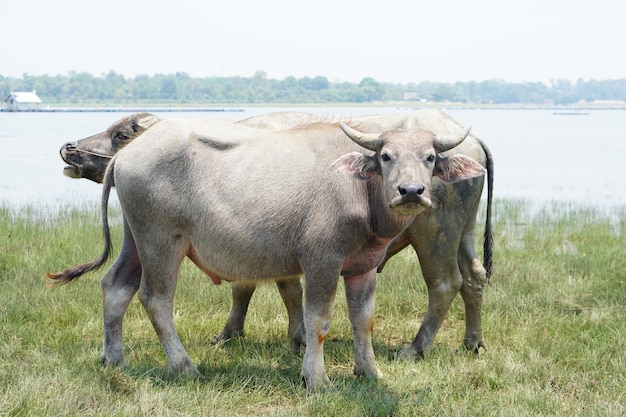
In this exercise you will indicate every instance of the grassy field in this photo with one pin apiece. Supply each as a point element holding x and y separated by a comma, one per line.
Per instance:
<point>554,322</point>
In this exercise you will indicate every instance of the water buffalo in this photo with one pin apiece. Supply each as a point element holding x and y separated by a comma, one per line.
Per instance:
<point>443,239</point>
<point>254,204</point>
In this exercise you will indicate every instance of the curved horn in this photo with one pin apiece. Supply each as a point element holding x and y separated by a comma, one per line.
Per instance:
<point>446,142</point>
<point>367,140</point>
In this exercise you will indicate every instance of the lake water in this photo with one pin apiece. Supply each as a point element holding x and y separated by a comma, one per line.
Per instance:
<point>539,156</point>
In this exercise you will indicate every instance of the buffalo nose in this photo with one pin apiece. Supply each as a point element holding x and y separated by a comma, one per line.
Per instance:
<point>66,149</point>
<point>68,146</point>
<point>411,189</point>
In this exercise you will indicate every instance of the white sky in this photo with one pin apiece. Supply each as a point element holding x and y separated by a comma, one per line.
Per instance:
<point>397,41</point>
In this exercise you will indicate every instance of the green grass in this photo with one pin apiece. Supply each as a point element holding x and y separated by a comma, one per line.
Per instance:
<point>554,322</point>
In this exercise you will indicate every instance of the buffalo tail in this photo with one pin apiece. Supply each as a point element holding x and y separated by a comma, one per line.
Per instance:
<point>488,237</point>
<point>69,274</point>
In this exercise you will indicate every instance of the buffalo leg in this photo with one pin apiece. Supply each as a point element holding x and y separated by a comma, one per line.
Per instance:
<point>241,294</point>
<point>474,280</point>
<point>361,299</point>
<point>119,285</point>
<point>437,250</point>
<point>291,293</point>
<point>161,262</point>
<point>319,296</point>
<point>442,288</point>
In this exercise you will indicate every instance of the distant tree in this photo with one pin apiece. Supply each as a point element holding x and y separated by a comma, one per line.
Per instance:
<point>444,92</point>
<point>168,87</point>
<point>320,83</point>
<point>143,88</point>
<point>113,87</point>
<point>370,90</point>
<point>81,87</point>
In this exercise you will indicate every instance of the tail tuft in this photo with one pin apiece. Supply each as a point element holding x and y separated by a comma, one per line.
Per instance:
<point>56,279</point>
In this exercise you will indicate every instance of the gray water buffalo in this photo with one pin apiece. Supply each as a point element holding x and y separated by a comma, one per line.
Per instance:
<point>254,204</point>
<point>443,239</point>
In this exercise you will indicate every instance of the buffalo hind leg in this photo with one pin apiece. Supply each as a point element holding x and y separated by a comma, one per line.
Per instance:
<point>161,262</point>
<point>361,300</point>
<point>119,285</point>
<point>241,294</point>
<point>474,281</point>
<point>291,293</point>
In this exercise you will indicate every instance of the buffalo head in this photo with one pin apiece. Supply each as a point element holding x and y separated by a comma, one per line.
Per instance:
<point>89,157</point>
<point>407,159</point>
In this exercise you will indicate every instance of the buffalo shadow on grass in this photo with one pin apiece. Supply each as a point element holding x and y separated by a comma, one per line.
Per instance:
<point>241,364</point>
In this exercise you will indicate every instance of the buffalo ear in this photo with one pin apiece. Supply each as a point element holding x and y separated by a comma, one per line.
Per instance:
<point>355,163</point>
<point>457,168</point>
<point>144,121</point>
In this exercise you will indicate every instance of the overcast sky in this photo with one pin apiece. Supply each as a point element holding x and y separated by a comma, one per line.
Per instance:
<point>397,41</point>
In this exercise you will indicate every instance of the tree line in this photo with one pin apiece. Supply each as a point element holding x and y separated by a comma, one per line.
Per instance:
<point>112,88</point>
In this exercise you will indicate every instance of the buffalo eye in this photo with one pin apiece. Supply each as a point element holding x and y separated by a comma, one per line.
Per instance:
<point>385,157</point>
<point>431,158</point>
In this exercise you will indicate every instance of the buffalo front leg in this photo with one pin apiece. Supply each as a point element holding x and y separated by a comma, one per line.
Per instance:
<point>361,299</point>
<point>119,284</point>
<point>319,303</point>
<point>443,280</point>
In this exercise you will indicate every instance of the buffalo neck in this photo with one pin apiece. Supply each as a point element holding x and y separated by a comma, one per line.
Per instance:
<point>386,222</point>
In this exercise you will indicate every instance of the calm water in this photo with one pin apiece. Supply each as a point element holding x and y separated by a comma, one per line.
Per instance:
<point>538,156</point>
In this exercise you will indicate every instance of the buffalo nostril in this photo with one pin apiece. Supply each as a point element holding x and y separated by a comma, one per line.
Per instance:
<point>66,150</point>
<point>411,189</point>
<point>69,146</point>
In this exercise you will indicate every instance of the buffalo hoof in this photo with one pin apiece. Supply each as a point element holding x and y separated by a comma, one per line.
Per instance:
<point>409,353</point>
<point>297,342</point>
<point>474,345</point>
<point>372,372</point>
<point>109,362</point>
<point>316,384</point>
<point>187,369</point>
<point>225,336</point>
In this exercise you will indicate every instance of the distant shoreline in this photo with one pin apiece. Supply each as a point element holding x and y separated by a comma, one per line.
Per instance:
<point>240,107</point>
<point>122,109</point>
